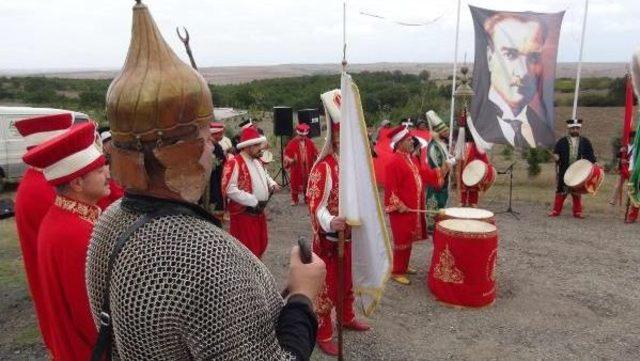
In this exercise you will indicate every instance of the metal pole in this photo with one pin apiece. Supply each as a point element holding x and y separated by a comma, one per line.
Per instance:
<point>453,88</point>
<point>584,28</point>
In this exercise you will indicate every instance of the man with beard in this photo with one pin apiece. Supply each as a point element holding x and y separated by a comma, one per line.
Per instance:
<point>76,168</point>
<point>299,155</point>
<point>568,150</point>
<point>514,62</point>
<point>248,187</point>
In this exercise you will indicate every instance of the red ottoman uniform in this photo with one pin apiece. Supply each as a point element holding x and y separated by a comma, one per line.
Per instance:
<point>405,185</point>
<point>63,240</point>
<point>34,197</point>
<point>245,183</point>
<point>299,155</point>
<point>469,196</point>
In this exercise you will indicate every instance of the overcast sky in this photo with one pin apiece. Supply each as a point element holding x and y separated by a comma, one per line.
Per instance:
<point>92,34</point>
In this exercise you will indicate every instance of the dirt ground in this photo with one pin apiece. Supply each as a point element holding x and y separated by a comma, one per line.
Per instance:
<point>567,289</point>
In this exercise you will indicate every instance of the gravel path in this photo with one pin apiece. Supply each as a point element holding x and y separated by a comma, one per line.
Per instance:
<point>568,289</point>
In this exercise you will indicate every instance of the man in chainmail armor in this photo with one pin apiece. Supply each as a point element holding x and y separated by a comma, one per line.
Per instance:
<point>164,282</point>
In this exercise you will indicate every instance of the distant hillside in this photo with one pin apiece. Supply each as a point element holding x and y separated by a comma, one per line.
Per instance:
<point>245,74</point>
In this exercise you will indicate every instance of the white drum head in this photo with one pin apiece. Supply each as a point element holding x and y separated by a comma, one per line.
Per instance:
<point>474,172</point>
<point>577,172</point>
<point>468,213</point>
<point>467,226</point>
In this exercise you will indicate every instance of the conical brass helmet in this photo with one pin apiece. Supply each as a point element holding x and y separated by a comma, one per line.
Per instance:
<point>157,102</point>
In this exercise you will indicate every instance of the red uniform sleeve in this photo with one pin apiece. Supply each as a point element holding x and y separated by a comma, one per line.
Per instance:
<point>431,177</point>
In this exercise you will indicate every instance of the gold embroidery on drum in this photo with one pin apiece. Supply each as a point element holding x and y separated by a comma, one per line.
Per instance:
<point>446,270</point>
<point>491,265</point>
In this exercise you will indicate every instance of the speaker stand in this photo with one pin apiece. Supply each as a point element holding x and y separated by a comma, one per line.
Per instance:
<point>282,171</point>
<point>510,209</point>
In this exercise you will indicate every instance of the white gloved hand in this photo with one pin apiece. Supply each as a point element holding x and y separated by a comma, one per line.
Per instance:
<point>451,161</point>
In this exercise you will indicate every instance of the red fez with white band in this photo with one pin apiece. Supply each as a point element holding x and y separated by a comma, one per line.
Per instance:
<point>302,129</point>
<point>40,129</point>
<point>250,136</point>
<point>67,156</point>
<point>216,127</point>
<point>398,134</point>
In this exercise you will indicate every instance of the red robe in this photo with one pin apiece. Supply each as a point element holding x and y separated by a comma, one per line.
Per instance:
<point>405,185</point>
<point>33,199</point>
<point>299,155</point>
<point>322,194</point>
<point>469,196</point>
<point>249,229</point>
<point>116,193</point>
<point>62,251</point>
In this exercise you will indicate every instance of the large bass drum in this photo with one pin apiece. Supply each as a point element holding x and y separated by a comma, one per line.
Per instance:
<point>467,213</point>
<point>479,175</point>
<point>463,265</point>
<point>584,177</point>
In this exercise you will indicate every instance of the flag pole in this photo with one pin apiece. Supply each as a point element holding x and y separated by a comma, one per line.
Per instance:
<point>453,87</point>
<point>341,235</point>
<point>577,90</point>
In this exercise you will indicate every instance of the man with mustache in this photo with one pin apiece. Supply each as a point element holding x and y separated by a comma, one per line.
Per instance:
<point>248,187</point>
<point>514,58</point>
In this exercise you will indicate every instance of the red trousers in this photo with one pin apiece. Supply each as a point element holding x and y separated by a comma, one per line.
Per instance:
<point>328,299</point>
<point>250,230</point>
<point>405,231</point>
<point>468,197</point>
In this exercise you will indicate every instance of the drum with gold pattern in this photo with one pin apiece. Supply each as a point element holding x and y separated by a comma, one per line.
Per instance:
<point>583,177</point>
<point>478,174</point>
<point>467,213</point>
<point>463,265</point>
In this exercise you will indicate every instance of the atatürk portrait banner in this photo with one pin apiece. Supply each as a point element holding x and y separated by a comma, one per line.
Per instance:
<point>513,76</point>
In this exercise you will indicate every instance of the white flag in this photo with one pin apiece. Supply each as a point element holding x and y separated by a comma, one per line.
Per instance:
<point>360,202</point>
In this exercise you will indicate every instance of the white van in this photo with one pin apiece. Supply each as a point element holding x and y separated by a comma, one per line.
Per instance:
<point>12,145</point>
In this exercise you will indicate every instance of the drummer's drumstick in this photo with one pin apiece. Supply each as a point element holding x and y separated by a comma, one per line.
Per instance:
<point>417,210</point>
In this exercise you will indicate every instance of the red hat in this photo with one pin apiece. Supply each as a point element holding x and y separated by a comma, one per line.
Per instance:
<point>302,129</point>
<point>67,156</point>
<point>398,134</point>
<point>250,136</point>
<point>40,129</point>
<point>216,127</point>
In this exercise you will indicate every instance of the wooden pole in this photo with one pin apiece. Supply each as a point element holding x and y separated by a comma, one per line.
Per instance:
<point>340,305</point>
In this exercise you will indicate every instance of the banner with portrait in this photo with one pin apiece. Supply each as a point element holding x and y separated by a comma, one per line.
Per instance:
<point>513,77</point>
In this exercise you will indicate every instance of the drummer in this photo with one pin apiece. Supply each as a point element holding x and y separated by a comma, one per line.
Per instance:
<point>568,150</point>
<point>469,196</point>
